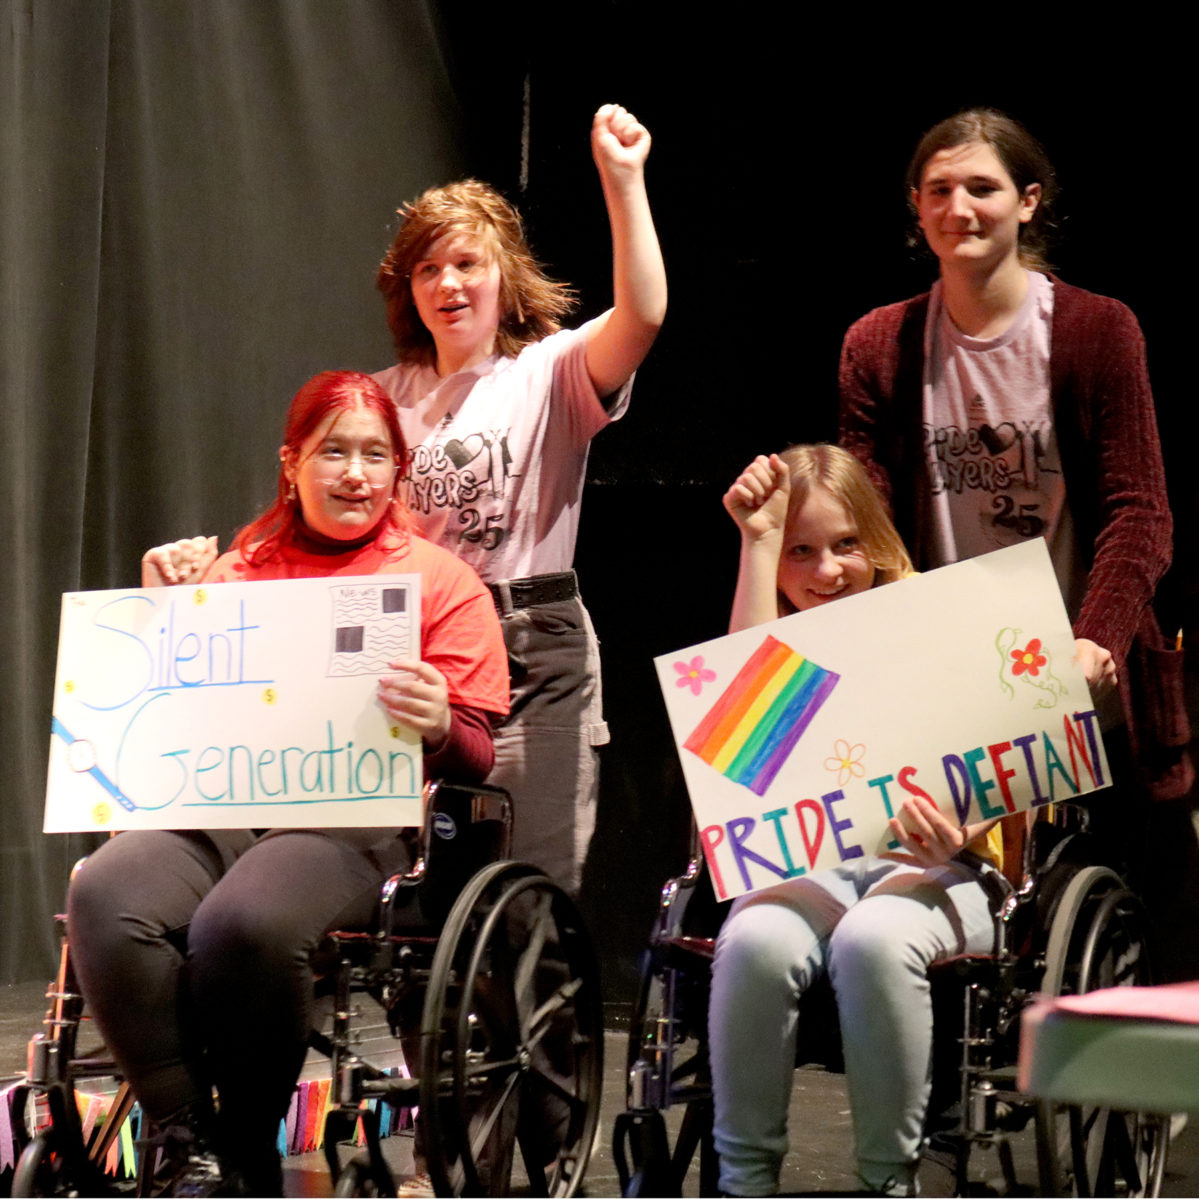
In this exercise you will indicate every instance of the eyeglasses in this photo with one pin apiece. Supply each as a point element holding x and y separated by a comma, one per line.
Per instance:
<point>374,463</point>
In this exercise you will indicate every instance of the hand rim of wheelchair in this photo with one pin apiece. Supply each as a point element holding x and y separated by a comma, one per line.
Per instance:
<point>464,1008</point>
<point>1096,939</point>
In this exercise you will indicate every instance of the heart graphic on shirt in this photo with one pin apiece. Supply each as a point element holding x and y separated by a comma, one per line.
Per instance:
<point>998,440</point>
<point>462,452</point>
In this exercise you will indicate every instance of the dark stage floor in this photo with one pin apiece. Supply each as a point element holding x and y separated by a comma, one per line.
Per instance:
<point>820,1126</point>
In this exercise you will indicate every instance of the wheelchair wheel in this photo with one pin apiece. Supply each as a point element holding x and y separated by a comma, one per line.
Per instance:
<point>511,1039</point>
<point>1096,939</point>
<point>41,1170</point>
<point>32,1175</point>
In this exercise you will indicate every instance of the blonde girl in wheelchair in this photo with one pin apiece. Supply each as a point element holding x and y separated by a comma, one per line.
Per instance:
<point>813,531</point>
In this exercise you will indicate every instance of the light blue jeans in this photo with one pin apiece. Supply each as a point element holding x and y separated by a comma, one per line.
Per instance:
<point>875,926</point>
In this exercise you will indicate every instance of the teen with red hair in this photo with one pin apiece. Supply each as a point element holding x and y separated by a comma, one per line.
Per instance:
<point>193,948</point>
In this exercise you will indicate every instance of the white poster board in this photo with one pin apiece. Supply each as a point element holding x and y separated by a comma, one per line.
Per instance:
<point>238,705</point>
<point>801,737</point>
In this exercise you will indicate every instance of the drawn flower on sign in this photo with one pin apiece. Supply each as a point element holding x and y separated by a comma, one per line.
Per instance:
<point>694,674</point>
<point>1031,665</point>
<point>846,761</point>
<point>1029,658</point>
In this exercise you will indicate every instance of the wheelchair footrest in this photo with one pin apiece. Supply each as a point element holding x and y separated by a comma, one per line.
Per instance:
<point>401,1092</point>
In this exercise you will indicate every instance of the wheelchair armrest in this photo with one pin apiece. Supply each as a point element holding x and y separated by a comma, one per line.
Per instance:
<point>687,906</point>
<point>466,826</point>
<point>391,886</point>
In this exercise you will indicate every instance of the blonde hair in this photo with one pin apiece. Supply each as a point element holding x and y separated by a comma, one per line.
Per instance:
<point>846,480</point>
<point>531,303</point>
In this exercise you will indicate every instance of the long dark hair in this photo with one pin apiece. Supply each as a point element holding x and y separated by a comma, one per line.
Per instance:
<point>1023,158</point>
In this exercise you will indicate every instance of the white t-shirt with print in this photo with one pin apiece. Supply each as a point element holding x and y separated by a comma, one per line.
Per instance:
<point>990,446</point>
<point>499,480</point>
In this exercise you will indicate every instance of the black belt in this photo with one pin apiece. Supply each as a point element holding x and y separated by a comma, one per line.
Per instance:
<point>511,594</point>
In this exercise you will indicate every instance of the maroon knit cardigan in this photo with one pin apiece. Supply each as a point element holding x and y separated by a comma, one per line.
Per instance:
<point>1111,459</point>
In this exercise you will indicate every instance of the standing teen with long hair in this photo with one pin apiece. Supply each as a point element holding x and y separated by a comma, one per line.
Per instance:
<point>1006,404</point>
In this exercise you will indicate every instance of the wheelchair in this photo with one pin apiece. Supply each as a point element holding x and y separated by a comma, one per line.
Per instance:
<point>484,971</point>
<point>1071,926</point>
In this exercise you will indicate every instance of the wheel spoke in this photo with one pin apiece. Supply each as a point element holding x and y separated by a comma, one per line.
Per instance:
<point>1090,1142</point>
<point>538,1077</point>
<point>526,970</point>
<point>495,1014</point>
<point>1123,1151</point>
<point>485,1127</point>
<point>494,999</point>
<point>474,1071</point>
<point>534,1169</point>
<point>542,1019</point>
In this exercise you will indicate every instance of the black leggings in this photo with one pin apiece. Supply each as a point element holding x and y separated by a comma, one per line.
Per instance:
<point>193,950</point>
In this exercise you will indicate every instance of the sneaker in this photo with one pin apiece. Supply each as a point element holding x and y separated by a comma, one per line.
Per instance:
<point>416,1186</point>
<point>201,1175</point>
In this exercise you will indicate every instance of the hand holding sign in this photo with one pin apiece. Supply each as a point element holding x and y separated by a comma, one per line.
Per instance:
<point>418,699</point>
<point>1097,664</point>
<point>928,838</point>
<point>185,561</point>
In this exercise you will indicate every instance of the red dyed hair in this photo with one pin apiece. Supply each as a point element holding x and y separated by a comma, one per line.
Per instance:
<point>322,396</point>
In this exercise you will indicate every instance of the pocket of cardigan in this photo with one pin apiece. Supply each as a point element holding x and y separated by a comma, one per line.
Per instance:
<point>1166,764</point>
<point>1165,695</point>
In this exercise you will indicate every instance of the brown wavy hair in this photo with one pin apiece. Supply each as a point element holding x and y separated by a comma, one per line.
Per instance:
<point>846,480</point>
<point>329,392</point>
<point>1023,158</point>
<point>531,303</point>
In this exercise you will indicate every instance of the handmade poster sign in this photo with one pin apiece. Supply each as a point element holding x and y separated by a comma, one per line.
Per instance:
<point>801,737</point>
<point>239,705</point>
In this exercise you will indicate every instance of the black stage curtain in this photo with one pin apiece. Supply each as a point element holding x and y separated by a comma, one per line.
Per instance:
<point>194,195</point>
<point>194,198</point>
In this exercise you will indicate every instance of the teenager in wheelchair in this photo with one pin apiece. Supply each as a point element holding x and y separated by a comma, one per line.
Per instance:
<point>194,950</point>
<point>721,1012</point>
<point>484,972</point>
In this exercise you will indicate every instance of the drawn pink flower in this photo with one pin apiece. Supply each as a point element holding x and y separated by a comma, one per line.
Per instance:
<point>846,761</point>
<point>694,674</point>
<point>1029,658</point>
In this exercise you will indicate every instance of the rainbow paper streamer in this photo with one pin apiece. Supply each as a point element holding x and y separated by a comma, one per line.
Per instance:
<point>758,721</point>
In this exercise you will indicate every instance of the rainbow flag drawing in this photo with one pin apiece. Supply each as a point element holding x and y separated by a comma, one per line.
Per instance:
<point>759,719</point>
